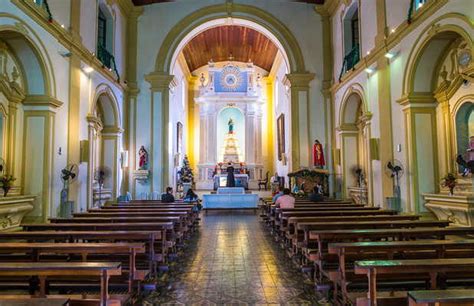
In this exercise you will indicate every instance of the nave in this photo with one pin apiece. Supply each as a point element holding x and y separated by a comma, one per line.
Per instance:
<point>233,260</point>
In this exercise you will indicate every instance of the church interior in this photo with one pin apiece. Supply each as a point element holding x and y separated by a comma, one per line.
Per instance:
<point>237,152</point>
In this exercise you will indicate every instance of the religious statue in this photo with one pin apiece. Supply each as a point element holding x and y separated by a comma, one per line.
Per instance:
<point>470,150</point>
<point>231,126</point>
<point>318,155</point>
<point>143,158</point>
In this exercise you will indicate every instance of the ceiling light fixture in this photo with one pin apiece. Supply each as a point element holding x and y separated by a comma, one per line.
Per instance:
<point>88,69</point>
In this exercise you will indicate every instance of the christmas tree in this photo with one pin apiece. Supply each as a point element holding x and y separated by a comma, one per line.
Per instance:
<point>186,173</point>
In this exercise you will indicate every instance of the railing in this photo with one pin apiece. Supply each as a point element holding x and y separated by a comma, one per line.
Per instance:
<point>350,60</point>
<point>44,4</point>
<point>107,59</point>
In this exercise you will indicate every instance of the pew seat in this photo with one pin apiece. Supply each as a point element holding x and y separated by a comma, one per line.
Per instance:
<point>448,297</point>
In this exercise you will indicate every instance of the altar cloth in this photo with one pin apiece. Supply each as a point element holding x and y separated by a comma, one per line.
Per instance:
<point>229,201</point>
<point>230,190</point>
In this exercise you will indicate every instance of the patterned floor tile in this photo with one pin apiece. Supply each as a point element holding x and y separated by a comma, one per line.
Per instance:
<point>233,261</point>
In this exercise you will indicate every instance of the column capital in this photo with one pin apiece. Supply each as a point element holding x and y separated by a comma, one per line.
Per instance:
<point>159,81</point>
<point>42,100</point>
<point>300,80</point>
<point>413,99</point>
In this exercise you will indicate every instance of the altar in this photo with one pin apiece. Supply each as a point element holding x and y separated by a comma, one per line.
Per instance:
<point>231,101</point>
<point>241,180</point>
<point>230,198</point>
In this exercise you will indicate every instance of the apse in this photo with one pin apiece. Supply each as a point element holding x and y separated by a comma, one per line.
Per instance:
<point>239,129</point>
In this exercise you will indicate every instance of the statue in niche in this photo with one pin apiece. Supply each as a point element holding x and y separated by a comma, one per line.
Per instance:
<point>143,158</point>
<point>467,166</point>
<point>231,126</point>
<point>470,150</point>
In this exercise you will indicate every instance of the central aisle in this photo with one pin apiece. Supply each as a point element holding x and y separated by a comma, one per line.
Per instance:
<point>233,260</point>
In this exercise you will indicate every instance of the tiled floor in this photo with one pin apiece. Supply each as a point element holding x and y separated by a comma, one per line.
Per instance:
<point>233,261</point>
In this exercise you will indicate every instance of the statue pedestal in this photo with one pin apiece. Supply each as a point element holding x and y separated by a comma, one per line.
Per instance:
<point>13,209</point>
<point>358,194</point>
<point>458,209</point>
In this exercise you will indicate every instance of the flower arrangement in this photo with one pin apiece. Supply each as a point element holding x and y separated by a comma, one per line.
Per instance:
<point>450,181</point>
<point>6,182</point>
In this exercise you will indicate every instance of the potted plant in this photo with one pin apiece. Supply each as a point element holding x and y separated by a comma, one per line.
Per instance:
<point>6,181</point>
<point>450,181</point>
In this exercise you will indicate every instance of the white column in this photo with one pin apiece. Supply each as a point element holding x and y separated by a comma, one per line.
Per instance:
<point>250,144</point>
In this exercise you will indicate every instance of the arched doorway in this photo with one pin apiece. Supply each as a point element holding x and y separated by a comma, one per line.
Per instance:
<point>354,138</point>
<point>429,92</point>
<point>105,134</point>
<point>28,103</point>
<point>242,15</point>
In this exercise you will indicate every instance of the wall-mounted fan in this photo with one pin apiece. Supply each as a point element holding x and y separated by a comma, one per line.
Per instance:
<point>101,174</point>
<point>68,175</point>
<point>395,170</point>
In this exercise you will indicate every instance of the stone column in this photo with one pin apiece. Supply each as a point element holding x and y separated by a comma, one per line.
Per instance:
<point>160,152</point>
<point>12,160</point>
<point>448,154</point>
<point>250,134</point>
<point>131,107</point>
<point>39,153</point>
<point>258,135</point>
<point>422,168</point>
<point>202,135</point>
<point>328,97</point>
<point>300,117</point>
<point>74,105</point>
<point>384,102</point>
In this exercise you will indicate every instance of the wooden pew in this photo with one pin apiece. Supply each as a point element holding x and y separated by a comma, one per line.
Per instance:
<point>432,267</point>
<point>103,270</point>
<point>347,253</point>
<point>154,240</point>
<point>282,219</point>
<point>449,297</point>
<point>34,250</point>
<point>28,301</point>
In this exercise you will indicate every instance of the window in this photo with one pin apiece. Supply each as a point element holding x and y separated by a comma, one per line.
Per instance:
<point>102,29</point>
<point>351,37</point>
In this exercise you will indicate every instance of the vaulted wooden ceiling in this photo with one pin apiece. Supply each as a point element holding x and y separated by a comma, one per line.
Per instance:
<point>145,2</point>
<point>219,43</point>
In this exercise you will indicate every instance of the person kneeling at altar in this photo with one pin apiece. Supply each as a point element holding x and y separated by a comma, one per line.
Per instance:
<point>168,196</point>
<point>278,193</point>
<point>286,200</point>
<point>317,194</point>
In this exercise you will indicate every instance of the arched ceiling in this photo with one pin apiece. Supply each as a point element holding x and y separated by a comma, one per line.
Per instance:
<point>145,2</point>
<point>219,43</point>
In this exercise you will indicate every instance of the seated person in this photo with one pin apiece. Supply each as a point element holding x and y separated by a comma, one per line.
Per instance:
<point>316,195</point>
<point>286,200</point>
<point>190,196</point>
<point>278,193</point>
<point>168,197</point>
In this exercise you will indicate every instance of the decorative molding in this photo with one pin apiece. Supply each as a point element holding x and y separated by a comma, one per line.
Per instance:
<point>403,30</point>
<point>159,81</point>
<point>300,80</point>
<point>42,100</point>
<point>66,38</point>
<point>418,98</point>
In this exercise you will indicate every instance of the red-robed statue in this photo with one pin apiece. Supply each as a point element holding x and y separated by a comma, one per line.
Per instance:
<point>318,154</point>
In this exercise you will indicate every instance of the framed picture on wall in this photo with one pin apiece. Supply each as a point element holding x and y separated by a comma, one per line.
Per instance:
<point>281,136</point>
<point>179,135</point>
